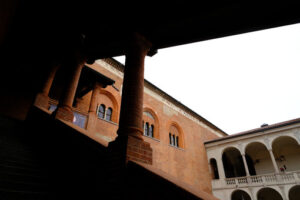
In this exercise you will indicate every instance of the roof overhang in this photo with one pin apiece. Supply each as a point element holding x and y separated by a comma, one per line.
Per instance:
<point>103,27</point>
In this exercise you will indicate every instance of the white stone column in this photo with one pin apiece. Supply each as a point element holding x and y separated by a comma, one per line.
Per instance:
<point>245,164</point>
<point>273,161</point>
<point>220,168</point>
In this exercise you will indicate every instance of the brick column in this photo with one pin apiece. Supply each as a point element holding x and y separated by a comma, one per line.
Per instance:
<point>42,98</point>
<point>131,115</point>
<point>64,109</point>
<point>93,107</point>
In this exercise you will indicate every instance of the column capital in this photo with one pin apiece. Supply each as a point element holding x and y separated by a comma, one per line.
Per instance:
<point>138,44</point>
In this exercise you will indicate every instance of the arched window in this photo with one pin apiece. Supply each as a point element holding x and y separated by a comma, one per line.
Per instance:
<point>111,109</point>
<point>175,136</point>
<point>174,141</point>
<point>170,139</point>
<point>151,130</point>
<point>150,123</point>
<point>101,111</point>
<point>146,132</point>
<point>108,114</point>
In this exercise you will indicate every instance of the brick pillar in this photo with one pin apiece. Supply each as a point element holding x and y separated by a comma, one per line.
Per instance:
<point>64,109</point>
<point>131,115</point>
<point>42,99</point>
<point>133,88</point>
<point>93,107</point>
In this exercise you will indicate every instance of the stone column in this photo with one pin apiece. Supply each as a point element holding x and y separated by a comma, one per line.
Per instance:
<point>64,109</point>
<point>221,171</point>
<point>42,98</point>
<point>273,161</point>
<point>221,168</point>
<point>131,114</point>
<point>246,165</point>
<point>93,107</point>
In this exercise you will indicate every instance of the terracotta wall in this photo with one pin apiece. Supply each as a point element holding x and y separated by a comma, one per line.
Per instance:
<point>188,163</point>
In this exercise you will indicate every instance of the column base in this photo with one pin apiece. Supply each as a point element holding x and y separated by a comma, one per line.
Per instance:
<point>42,101</point>
<point>131,131</point>
<point>138,151</point>
<point>64,113</point>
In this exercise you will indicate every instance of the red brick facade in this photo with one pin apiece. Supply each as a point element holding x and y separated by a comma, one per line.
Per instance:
<point>185,159</point>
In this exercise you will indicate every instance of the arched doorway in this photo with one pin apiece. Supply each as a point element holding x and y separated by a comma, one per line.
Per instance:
<point>294,193</point>
<point>240,195</point>
<point>287,153</point>
<point>268,194</point>
<point>233,163</point>
<point>258,159</point>
<point>214,168</point>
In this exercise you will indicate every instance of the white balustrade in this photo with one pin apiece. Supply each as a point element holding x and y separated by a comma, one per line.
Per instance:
<point>258,180</point>
<point>288,177</point>
<point>242,180</point>
<point>230,181</point>
<point>270,178</point>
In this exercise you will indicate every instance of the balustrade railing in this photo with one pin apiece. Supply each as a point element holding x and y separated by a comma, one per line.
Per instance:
<point>288,177</point>
<point>230,181</point>
<point>256,179</point>
<point>270,178</point>
<point>265,179</point>
<point>242,180</point>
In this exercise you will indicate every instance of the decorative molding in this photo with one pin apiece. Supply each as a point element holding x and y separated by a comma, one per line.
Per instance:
<point>106,65</point>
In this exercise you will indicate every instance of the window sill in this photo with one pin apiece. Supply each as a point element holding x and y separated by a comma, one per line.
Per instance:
<point>176,147</point>
<point>108,121</point>
<point>157,140</point>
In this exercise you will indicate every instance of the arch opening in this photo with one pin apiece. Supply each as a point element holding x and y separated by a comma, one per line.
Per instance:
<point>294,193</point>
<point>287,153</point>
<point>240,195</point>
<point>214,168</point>
<point>233,163</point>
<point>258,159</point>
<point>268,194</point>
